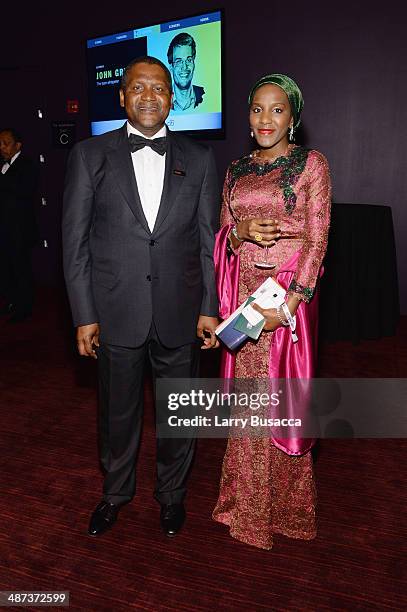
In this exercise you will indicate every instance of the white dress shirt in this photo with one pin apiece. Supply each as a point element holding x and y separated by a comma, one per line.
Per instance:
<point>7,165</point>
<point>149,168</point>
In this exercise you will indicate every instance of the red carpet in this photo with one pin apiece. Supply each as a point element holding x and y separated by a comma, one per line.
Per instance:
<point>50,483</point>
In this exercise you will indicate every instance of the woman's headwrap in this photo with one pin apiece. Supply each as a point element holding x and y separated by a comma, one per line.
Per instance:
<point>290,87</point>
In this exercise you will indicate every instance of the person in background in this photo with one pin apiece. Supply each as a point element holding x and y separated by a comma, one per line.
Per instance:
<point>276,211</point>
<point>18,228</point>
<point>141,208</point>
<point>181,56</point>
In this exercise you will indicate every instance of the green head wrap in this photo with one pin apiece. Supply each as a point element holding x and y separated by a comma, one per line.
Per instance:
<point>290,87</point>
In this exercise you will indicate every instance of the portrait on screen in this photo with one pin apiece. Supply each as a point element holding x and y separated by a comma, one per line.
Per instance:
<point>182,57</point>
<point>191,48</point>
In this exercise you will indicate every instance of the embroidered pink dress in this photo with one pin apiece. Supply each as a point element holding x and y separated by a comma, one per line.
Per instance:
<point>264,490</point>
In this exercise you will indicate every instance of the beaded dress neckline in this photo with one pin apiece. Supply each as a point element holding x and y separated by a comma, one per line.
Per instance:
<point>291,165</point>
<point>262,161</point>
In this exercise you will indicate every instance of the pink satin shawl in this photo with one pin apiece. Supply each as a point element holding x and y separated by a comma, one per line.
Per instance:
<point>286,359</point>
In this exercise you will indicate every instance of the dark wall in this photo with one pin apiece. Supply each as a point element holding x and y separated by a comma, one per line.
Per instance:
<point>350,61</point>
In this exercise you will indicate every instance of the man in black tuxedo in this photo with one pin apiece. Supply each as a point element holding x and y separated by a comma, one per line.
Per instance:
<point>18,228</point>
<point>141,210</point>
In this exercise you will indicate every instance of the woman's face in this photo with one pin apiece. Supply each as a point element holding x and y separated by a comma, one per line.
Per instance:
<point>270,117</point>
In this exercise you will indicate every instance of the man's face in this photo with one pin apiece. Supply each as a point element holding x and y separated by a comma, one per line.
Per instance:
<point>183,66</point>
<point>8,146</point>
<point>147,98</point>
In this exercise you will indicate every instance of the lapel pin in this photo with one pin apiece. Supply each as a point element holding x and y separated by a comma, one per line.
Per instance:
<point>178,172</point>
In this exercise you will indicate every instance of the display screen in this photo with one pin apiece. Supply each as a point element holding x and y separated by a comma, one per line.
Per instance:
<point>191,48</point>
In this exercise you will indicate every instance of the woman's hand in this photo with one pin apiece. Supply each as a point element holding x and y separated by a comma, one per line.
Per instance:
<point>270,314</point>
<point>261,231</point>
<point>273,322</point>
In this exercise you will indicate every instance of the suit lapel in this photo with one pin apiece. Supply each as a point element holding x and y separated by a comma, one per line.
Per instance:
<point>174,160</point>
<point>120,160</point>
<point>13,168</point>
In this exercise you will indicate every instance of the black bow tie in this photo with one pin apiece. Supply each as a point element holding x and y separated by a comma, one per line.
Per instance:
<point>136,142</point>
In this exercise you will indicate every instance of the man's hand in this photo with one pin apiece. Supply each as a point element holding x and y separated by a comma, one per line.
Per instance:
<point>87,336</point>
<point>208,325</point>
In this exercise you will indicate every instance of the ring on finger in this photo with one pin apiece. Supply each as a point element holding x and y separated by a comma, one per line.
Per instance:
<point>258,237</point>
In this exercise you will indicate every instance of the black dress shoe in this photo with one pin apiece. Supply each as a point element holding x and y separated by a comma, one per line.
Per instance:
<point>172,518</point>
<point>103,518</point>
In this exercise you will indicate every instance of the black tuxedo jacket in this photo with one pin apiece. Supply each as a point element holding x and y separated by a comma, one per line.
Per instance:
<point>18,189</point>
<point>119,273</point>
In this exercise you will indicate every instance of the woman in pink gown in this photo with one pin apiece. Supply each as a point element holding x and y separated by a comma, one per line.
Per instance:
<point>277,197</point>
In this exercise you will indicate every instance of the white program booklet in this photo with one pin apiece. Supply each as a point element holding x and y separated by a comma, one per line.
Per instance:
<point>269,295</point>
